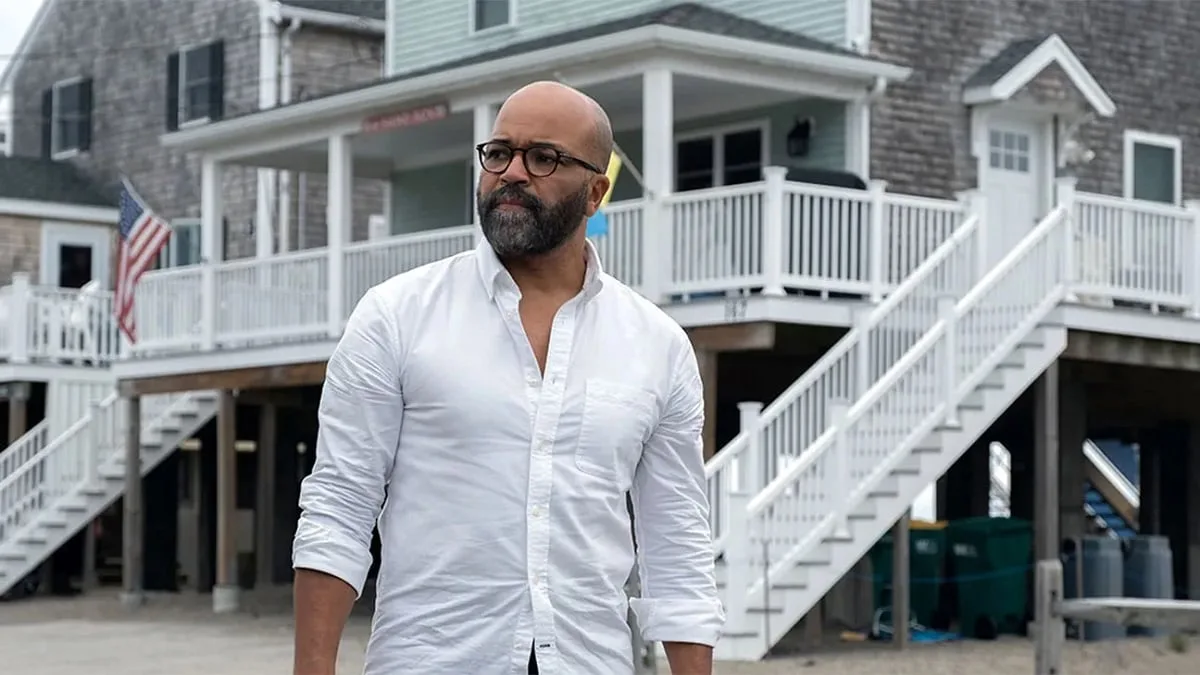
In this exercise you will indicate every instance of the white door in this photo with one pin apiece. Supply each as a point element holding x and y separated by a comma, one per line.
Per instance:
<point>1014,178</point>
<point>73,255</point>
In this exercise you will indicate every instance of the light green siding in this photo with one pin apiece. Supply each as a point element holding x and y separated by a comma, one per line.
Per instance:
<point>428,32</point>
<point>431,197</point>
<point>827,147</point>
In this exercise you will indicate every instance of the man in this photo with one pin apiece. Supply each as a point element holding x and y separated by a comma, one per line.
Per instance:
<point>496,407</point>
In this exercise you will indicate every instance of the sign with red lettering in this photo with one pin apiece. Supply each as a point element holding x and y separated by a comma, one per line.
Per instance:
<point>406,118</point>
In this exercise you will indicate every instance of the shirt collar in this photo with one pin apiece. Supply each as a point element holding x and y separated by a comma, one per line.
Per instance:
<point>493,273</point>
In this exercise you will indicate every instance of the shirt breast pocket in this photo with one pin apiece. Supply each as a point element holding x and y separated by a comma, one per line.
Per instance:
<point>617,420</point>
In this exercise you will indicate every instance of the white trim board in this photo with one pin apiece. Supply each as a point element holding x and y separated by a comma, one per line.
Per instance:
<point>55,234</point>
<point>230,133</point>
<point>333,19</point>
<point>1136,137</point>
<point>26,208</point>
<point>1053,50</point>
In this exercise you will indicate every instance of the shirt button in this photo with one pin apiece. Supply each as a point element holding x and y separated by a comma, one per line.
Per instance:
<point>537,512</point>
<point>533,380</point>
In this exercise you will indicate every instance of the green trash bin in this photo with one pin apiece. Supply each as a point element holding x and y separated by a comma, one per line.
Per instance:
<point>990,560</point>
<point>927,559</point>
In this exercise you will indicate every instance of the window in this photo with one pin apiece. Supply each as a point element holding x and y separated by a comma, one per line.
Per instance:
<point>1153,167</point>
<point>67,118</point>
<point>183,248</point>
<point>487,14</point>
<point>1008,150</point>
<point>720,157</point>
<point>196,85</point>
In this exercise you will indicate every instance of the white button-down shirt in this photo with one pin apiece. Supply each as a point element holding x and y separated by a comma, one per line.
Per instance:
<point>504,521</point>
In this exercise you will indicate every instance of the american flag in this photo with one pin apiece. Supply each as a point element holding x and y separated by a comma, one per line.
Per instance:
<point>143,234</point>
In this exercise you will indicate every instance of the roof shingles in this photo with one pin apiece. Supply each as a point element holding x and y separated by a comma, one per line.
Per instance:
<point>43,180</point>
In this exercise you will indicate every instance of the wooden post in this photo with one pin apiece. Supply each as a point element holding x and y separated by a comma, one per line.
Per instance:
<point>1046,465</point>
<point>264,508</point>
<point>133,543</point>
<point>900,578</point>
<point>18,411</point>
<point>1050,630</point>
<point>225,591</point>
<point>707,361</point>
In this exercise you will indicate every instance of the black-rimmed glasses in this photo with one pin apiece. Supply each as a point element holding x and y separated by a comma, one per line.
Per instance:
<point>540,160</point>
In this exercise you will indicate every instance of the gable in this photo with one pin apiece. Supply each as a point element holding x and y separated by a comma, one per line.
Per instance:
<point>1042,71</point>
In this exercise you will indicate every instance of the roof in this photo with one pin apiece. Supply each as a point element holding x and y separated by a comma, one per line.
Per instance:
<point>687,16</point>
<point>1008,58</point>
<point>1023,60</point>
<point>44,180</point>
<point>366,9</point>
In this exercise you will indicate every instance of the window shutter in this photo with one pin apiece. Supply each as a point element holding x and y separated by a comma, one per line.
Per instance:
<point>85,115</point>
<point>173,91</point>
<point>48,122</point>
<point>216,84</point>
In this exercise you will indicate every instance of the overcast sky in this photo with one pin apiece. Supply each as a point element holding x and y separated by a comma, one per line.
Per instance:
<point>15,16</point>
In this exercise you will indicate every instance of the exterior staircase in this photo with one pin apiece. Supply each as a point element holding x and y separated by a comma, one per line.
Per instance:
<point>61,485</point>
<point>816,478</point>
<point>1111,499</point>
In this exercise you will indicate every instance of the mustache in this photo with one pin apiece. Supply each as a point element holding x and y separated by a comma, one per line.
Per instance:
<point>512,193</point>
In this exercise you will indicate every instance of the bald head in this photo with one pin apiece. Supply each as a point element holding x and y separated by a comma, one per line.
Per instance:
<point>556,111</point>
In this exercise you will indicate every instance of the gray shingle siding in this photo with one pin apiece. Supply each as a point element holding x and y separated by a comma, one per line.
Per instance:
<point>1142,53</point>
<point>88,38</point>
<point>326,60</point>
<point>91,38</point>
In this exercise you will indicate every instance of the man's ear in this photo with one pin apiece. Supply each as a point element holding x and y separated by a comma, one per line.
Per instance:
<point>596,193</point>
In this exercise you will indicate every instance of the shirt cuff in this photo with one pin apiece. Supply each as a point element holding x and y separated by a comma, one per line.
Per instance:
<point>322,550</point>
<point>695,621</point>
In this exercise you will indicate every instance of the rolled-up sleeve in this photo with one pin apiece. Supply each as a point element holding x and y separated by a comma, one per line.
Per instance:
<point>679,600</point>
<point>360,416</point>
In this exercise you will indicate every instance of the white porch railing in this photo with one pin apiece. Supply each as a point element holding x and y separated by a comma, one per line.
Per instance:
<point>40,324</point>
<point>770,237</point>
<point>71,461</point>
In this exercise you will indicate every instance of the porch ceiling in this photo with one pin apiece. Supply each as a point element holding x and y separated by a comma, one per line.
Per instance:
<point>376,155</point>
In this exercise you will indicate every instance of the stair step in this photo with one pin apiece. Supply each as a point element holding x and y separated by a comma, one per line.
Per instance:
<point>32,540</point>
<point>12,557</point>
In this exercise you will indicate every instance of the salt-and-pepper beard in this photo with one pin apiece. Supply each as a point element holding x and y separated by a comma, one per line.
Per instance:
<point>535,230</point>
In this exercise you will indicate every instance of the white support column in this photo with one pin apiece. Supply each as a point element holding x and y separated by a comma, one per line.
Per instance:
<point>338,214</point>
<point>658,172</point>
<point>264,224</point>
<point>485,119</point>
<point>212,226</point>
<point>858,138</point>
<point>20,295</point>
<point>1064,196</point>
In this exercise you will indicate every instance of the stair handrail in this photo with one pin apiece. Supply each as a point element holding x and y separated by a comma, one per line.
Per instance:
<point>105,407</point>
<point>841,349</point>
<point>11,456</point>
<point>1112,474</point>
<point>1048,300</point>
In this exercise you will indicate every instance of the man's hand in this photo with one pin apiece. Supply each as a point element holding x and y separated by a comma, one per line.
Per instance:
<point>686,658</point>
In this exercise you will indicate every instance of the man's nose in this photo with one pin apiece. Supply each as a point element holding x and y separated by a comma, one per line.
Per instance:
<point>516,172</point>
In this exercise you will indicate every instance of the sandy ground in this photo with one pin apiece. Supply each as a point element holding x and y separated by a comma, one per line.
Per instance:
<point>179,635</point>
